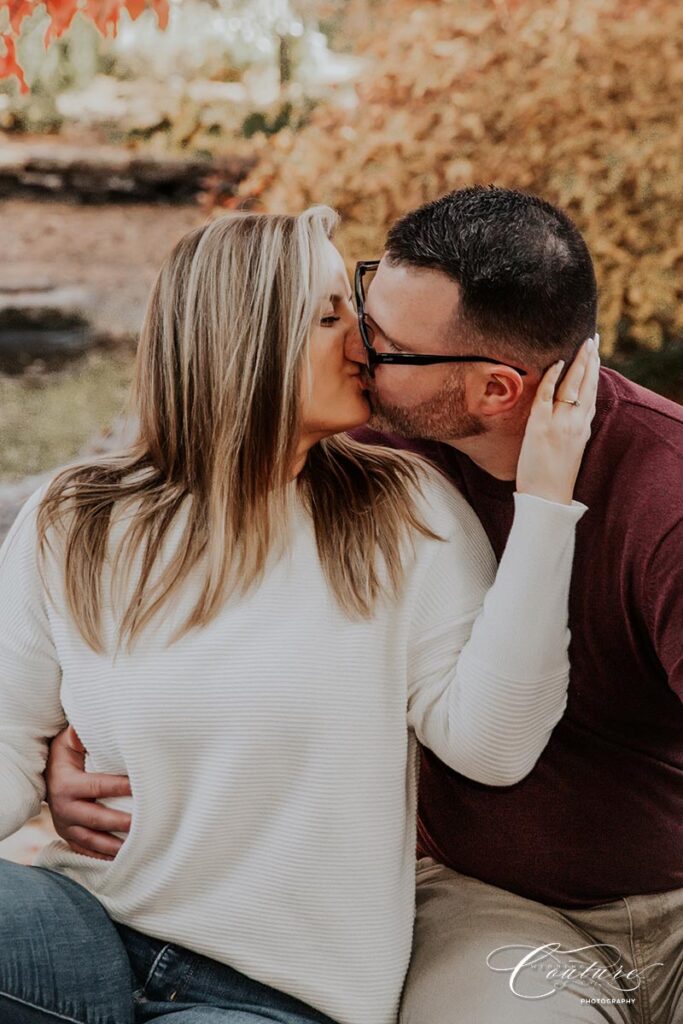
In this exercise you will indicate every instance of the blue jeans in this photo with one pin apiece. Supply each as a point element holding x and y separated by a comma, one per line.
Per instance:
<point>62,958</point>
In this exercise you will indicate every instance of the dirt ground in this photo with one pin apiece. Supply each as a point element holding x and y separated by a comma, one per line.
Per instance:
<point>114,249</point>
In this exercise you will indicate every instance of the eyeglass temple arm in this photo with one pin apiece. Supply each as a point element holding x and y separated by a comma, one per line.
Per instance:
<point>425,360</point>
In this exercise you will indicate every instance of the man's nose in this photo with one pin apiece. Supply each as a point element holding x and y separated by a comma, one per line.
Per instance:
<point>353,345</point>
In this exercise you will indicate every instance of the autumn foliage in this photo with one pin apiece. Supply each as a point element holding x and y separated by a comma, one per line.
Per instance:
<point>104,14</point>
<point>577,100</point>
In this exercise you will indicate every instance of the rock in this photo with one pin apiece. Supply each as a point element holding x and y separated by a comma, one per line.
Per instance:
<point>42,322</point>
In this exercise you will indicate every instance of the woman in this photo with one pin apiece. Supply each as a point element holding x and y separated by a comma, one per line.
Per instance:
<point>253,617</point>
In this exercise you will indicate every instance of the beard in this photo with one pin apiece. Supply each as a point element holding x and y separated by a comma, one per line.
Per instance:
<point>443,417</point>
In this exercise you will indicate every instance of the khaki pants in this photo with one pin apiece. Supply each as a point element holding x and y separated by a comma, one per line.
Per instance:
<point>482,955</point>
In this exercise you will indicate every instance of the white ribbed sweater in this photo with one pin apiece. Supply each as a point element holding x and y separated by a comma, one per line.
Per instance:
<point>272,754</point>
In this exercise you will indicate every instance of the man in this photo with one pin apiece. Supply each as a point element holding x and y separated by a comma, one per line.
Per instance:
<point>558,899</point>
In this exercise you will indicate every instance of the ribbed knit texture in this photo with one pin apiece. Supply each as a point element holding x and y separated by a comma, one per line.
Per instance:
<point>272,754</point>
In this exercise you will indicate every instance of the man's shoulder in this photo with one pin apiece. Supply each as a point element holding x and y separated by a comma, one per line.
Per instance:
<point>634,463</point>
<point>658,415</point>
<point>639,436</point>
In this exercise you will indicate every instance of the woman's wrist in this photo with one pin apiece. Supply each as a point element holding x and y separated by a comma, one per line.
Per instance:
<point>572,503</point>
<point>555,495</point>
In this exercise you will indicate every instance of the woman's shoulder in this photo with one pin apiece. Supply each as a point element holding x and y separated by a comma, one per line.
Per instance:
<point>21,570</point>
<point>31,532</point>
<point>454,566</point>
<point>444,508</point>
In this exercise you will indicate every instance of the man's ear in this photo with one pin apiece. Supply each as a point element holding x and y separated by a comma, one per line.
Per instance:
<point>498,390</point>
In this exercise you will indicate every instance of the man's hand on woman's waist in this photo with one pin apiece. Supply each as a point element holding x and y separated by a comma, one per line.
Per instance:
<point>72,795</point>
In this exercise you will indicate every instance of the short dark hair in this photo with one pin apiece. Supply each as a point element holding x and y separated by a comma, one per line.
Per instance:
<point>525,274</point>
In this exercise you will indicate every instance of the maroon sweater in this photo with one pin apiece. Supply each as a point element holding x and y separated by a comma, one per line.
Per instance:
<point>601,814</point>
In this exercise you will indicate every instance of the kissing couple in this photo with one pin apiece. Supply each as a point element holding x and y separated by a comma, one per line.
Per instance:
<point>386,566</point>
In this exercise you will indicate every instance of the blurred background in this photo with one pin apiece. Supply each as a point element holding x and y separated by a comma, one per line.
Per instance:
<point>142,118</point>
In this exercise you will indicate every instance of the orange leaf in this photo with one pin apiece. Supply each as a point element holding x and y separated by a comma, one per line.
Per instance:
<point>162,12</point>
<point>61,15</point>
<point>104,13</point>
<point>160,7</point>
<point>18,10</point>
<point>135,7</point>
<point>9,65</point>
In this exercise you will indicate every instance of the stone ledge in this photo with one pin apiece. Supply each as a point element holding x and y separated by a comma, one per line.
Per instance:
<point>43,322</point>
<point>106,173</point>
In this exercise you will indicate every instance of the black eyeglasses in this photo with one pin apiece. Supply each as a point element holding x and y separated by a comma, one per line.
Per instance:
<point>374,357</point>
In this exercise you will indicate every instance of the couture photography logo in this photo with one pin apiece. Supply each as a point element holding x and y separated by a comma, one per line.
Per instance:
<point>540,972</point>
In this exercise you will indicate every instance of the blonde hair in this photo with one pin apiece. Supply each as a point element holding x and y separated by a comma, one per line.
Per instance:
<point>219,368</point>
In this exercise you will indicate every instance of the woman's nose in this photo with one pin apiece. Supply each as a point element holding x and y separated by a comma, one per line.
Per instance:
<point>353,344</point>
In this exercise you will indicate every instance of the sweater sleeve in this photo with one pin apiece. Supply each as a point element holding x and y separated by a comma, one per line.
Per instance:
<point>30,708</point>
<point>487,662</point>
